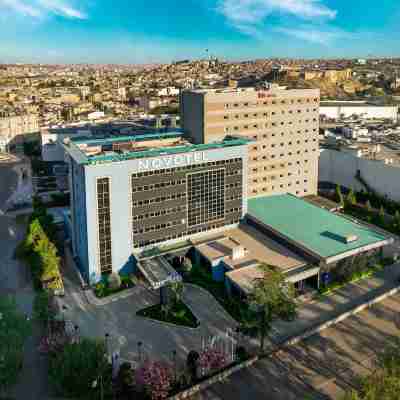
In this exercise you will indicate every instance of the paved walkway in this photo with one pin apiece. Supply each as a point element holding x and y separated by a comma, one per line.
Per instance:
<point>119,320</point>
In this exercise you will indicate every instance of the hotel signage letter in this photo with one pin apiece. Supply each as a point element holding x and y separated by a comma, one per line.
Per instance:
<point>172,161</point>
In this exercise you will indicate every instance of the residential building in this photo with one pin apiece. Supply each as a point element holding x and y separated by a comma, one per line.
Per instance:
<point>284,125</point>
<point>12,129</point>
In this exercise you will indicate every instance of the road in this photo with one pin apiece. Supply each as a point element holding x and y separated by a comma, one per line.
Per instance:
<point>323,366</point>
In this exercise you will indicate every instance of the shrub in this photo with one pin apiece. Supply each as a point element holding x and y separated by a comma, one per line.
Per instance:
<point>114,281</point>
<point>76,370</point>
<point>100,289</point>
<point>187,265</point>
<point>43,309</point>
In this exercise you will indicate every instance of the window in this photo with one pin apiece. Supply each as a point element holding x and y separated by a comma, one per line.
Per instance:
<point>104,224</point>
<point>206,195</point>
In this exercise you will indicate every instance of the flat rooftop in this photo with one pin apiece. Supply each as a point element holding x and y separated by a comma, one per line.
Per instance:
<point>94,150</point>
<point>258,248</point>
<point>333,103</point>
<point>314,229</point>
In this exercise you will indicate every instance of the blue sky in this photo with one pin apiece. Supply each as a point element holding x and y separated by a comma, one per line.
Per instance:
<point>142,31</point>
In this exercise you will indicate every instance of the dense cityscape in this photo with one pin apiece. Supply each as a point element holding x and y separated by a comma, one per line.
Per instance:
<point>203,228</point>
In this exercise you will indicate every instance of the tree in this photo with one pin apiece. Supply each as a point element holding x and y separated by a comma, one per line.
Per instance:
<point>396,221</point>
<point>368,206</point>
<point>155,378</point>
<point>351,198</point>
<point>339,195</point>
<point>77,369</point>
<point>14,330</point>
<point>384,383</point>
<point>272,297</point>
<point>177,290</point>
<point>381,216</point>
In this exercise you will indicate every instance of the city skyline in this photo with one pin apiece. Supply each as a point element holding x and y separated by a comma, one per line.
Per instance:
<point>68,31</point>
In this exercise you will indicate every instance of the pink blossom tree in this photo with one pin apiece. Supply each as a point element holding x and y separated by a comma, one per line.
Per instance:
<point>211,359</point>
<point>155,378</point>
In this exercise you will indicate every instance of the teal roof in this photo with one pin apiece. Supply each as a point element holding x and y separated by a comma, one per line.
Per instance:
<point>312,227</point>
<point>73,150</point>
<point>127,138</point>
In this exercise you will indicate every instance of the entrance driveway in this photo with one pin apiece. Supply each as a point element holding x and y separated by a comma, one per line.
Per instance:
<point>159,340</point>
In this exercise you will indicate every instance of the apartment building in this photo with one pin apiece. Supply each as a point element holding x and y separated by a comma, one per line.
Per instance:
<point>13,127</point>
<point>284,125</point>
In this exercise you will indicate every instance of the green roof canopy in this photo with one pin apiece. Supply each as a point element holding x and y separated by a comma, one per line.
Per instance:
<point>313,228</point>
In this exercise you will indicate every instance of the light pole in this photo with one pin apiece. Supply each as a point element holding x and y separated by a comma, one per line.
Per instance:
<point>139,345</point>
<point>174,361</point>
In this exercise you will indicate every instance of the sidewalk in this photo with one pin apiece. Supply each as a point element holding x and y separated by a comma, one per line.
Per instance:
<point>342,300</point>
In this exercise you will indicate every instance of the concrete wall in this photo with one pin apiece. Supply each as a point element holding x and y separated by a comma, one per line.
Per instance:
<point>341,168</point>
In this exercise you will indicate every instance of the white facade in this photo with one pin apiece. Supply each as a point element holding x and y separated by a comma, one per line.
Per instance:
<point>362,111</point>
<point>168,91</point>
<point>95,115</point>
<point>341,168</point>
<point>86,240</point>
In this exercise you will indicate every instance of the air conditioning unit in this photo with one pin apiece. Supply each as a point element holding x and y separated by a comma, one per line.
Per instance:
<point>350,238</point>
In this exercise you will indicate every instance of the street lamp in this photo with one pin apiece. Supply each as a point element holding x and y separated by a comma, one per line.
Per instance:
<point>174,360</point>
<point>139,345</point>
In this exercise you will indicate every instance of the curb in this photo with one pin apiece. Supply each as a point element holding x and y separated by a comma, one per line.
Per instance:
<point>95,301</point>
<point>168,324</point>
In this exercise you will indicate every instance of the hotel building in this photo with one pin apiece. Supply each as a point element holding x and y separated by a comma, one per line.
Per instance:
<point>284,125</point>
<point>133,193</point>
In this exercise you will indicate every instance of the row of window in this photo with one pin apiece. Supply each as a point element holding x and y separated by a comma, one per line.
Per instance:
<point>266,114</point>
<point>185,168</point>
<point>268,136</point>
<point>175,196</point>
<point>192,231</point>
<point>158,185</point>
<point>104,224</point>
<point>265,189</point>
<point>273,102</point>
<point>156,228</point>
<point>282,144</point>
<point>166,211</point>
<point>273,178</point>
<point>271,167</point>
<point>228,129</point>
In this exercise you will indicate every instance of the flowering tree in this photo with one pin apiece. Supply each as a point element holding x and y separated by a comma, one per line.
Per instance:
<point>54,342</point>
<point>156,378</point>
<point>211,359</point>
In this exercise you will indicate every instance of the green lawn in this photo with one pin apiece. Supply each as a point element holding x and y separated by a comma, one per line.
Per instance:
<point>178,313</point>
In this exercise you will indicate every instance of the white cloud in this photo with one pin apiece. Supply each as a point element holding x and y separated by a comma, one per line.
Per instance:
<point>42,8</point>
<point>253,11</point>
<point>320,35</point>
<point>248,16</point>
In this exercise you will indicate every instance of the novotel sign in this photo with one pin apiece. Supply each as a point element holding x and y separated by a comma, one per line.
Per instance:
<point>177,160</point>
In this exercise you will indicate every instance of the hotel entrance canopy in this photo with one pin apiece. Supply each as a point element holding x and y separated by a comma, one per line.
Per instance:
<point>158,272</point>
